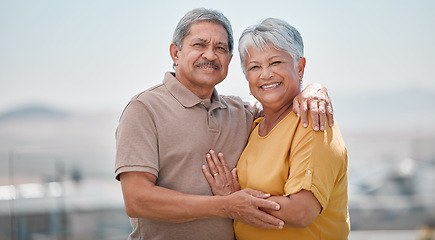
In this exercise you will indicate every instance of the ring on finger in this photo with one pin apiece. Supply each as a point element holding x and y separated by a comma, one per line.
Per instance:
<point>215,174</point>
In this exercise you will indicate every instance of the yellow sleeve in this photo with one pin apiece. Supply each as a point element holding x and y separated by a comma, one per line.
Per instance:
<point>316,161</point>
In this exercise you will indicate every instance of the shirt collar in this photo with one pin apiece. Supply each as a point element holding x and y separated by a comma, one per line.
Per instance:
<point>186,97</point>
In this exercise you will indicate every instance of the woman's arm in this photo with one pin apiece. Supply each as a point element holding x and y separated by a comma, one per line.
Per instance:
<point>222,180</point>
<point>297,210</point>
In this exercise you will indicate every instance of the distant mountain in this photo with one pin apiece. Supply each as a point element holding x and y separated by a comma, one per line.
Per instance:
<point>40,136</point>
<point>32,112</point>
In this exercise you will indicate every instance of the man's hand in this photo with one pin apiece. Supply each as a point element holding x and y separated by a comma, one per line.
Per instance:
<point>221,179</point>
<point>314,97</point>
<point>244,206</point>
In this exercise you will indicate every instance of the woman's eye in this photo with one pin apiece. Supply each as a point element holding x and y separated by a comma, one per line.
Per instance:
<point>252,68</point>
<point>276,62</point>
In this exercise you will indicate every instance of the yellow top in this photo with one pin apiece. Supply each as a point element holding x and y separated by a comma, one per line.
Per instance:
<point>291,158</point>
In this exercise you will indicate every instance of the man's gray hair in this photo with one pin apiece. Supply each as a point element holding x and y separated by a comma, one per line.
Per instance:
<point>273,31</point>
<point>199,15</point>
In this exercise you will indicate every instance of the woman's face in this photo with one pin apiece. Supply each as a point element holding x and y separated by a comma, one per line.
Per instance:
<point>273,79</point>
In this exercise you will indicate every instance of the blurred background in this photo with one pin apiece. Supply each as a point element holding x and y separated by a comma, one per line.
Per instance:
<point>68,68</point>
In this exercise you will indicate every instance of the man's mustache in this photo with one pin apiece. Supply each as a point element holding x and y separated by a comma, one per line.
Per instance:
<point>208,63</point>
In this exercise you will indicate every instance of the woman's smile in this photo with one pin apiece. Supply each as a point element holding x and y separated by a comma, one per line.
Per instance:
<point>271,85</point>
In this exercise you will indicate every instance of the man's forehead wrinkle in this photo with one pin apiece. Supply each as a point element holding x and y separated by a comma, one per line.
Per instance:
<point>207,41</point>
<point>202,40</point>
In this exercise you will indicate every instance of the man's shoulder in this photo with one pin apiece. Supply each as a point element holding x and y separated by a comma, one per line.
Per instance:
<point>238,101</point>
<point>150,93</point>
<point>252,107</point>
<point>231,99</point>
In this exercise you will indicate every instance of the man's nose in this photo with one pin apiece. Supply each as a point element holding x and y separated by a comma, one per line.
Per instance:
<point>209,54</point>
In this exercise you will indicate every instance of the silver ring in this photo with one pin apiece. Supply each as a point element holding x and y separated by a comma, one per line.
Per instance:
<point>215,174</point>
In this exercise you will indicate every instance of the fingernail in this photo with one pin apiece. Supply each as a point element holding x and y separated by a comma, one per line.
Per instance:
<point>316,128</point>
<point>277,207</point>
<point>322,128</point>
<point>281,225</point>
<point>305,124</point>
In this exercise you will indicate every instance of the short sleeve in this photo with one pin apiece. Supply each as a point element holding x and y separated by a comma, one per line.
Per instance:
<point>316,161</point>
<point>136,140</point>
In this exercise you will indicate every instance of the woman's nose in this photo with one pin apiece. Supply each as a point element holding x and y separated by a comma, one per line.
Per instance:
<point>266,73</point>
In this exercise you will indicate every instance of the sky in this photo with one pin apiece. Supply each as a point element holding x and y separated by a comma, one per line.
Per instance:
<point>95,55</point>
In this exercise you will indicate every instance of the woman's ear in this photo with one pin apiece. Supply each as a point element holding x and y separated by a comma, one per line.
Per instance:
<point>301,67</point>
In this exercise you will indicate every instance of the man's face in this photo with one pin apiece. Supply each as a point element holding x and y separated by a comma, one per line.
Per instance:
<point>203,61</point>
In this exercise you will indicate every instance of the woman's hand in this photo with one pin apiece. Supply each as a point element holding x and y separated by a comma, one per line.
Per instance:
<point>222,180</point>
<point>314,97</point>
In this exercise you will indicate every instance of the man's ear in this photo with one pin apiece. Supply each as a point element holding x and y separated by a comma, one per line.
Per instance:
<point>173,51</point>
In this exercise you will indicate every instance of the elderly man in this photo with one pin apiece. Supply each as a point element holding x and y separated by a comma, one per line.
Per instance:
<point>165,132</point>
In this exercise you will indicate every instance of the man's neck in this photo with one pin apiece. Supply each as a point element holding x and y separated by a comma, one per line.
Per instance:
<point>201,92</point>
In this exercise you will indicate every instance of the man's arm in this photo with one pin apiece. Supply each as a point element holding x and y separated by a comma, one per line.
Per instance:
<point>146,200</point>
<point>314,97</point>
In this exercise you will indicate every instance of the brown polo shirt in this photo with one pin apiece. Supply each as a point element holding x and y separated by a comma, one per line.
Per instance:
<point>167,131</point>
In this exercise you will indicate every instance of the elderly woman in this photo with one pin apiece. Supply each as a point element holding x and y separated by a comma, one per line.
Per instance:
<point>303,170</point>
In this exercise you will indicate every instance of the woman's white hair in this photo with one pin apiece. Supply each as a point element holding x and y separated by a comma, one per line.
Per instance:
<point>276,32</point>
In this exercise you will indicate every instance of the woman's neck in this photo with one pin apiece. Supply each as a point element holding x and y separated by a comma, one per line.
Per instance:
<point>272,118</point>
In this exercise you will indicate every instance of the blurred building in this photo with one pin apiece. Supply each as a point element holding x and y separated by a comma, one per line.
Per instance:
<point>56,179</point>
